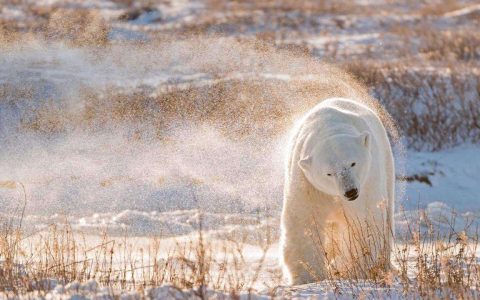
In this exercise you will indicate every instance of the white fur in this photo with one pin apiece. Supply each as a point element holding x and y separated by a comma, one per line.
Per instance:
<point>328,140</point>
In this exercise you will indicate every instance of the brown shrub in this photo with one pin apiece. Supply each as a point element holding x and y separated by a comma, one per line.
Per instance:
<point>80,27</point>
<point>238,107</point>
<point>437,8</point>
<point>457,45</point>
<point>430,43</point>
<point>29,263</point>
<point>323,6</point>
<point>429,260</point>
<point>434,108</point>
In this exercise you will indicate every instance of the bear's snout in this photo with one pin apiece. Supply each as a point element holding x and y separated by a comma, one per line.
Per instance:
<point>352,194</point>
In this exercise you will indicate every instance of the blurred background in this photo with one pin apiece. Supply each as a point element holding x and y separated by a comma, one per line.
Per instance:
<point>417,57</point>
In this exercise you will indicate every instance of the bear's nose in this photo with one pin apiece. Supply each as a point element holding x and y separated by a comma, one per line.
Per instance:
<point>352,194</point>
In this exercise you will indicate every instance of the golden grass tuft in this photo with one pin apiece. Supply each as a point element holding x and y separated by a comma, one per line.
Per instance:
<point>58,254</point>
<point>80,27</point>
<point>429,260</point>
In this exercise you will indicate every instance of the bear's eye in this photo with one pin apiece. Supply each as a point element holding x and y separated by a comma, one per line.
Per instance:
<point>329,174</point>
<point>353,164</point>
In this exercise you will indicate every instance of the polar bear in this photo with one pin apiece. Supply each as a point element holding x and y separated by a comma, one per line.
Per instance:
<point>338,195</point>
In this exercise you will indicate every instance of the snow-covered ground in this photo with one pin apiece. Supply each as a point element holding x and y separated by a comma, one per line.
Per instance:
<point>440,183</point>
<point>91,290</point>
<point>448,176</point>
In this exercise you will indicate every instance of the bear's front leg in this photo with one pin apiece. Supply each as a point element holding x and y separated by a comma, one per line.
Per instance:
<point>304,260</point>
<point>298,273</point>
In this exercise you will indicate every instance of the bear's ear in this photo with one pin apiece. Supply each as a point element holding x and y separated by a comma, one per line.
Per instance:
<point>365,139</point>
<point>305,163</point>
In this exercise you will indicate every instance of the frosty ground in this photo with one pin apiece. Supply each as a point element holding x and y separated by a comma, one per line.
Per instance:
<point>88,127</point>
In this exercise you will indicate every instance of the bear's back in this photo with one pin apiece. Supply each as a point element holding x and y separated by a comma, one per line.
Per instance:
<point>338,112</point>
<point>346,106</point>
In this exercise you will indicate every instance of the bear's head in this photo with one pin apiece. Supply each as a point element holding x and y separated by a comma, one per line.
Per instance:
<point>338,165</point>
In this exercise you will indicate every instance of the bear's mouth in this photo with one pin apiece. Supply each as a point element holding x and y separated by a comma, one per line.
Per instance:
<point>352,198</point>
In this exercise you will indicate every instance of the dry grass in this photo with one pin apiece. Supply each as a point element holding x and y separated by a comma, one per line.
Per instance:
<point>431,43</point>
<point>34,263</point>
<point>444,261</point>
<point>80,27</point>
<point>238,107</point>
<point>434,109</point>
<point>362,253</point>
<point>429,260</point>
<point>463,45</point>
<point>438,8</point>
<point>323,6</point>
<point>61,255</point>
<point>73,26</point>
